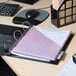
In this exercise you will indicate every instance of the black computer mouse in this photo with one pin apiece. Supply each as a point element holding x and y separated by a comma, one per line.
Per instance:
<point>31,14</point>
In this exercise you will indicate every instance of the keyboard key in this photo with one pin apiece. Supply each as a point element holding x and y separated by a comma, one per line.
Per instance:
<point>8,9</point>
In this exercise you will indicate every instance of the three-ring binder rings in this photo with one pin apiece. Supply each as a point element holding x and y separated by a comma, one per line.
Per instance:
<point>69,68</point>
<point>63,12</point>
<point>40,44</point>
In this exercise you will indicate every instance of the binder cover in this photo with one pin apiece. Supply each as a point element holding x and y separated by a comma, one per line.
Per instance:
<point>5,70</point>
<point>7,37</point>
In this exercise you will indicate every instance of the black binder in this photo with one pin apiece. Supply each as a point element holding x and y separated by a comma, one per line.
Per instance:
<point>27,1</point>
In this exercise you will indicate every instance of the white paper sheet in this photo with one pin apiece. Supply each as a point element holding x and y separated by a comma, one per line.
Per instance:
<point>69,69</point>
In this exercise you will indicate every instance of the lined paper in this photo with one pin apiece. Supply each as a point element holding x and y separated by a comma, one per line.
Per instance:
<point>36,44</point>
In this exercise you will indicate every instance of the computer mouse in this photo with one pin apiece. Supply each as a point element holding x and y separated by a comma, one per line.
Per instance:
<point>31,14</point>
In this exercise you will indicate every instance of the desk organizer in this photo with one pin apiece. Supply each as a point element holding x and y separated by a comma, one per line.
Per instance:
<point>63,12</point>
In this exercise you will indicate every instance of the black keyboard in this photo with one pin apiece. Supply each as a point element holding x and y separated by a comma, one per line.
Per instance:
<point>8,9</point>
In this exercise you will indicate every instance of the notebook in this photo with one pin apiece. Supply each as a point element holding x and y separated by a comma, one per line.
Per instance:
<point>40,44</point>
<point>69,69</point>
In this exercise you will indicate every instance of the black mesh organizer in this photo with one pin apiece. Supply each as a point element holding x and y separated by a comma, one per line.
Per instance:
<point>7,39</point>
<point>66,13</point>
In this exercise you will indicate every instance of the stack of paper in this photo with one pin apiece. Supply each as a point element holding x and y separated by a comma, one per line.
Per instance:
<point>41,44</point>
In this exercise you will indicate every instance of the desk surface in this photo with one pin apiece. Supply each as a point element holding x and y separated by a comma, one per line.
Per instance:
<point>25,67</point>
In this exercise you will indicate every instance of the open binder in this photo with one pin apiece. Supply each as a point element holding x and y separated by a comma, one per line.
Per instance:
<point>41,44</point>
<point>63,12</point>
<point>34,43</point>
